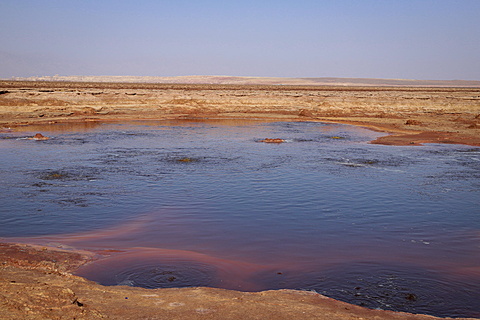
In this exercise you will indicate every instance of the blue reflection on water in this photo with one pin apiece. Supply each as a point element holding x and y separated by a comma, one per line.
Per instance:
<point>323,200</point>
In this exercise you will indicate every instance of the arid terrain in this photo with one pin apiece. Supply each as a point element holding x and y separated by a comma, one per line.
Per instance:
<point>324,81</point>
<point>412,114</point>
<point>36,283</point>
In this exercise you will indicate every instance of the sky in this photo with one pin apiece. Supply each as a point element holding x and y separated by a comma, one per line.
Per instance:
<point>393,39</point>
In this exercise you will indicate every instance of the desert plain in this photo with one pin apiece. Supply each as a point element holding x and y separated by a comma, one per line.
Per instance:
<point>36,282</point>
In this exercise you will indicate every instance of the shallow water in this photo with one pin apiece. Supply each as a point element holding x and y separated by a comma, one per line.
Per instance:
<point>204,203</point>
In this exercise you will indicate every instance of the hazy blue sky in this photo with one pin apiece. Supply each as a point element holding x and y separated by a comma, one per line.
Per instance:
<point>411,39</point>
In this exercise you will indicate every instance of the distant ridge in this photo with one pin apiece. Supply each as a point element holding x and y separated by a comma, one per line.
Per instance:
<point>324,81</point>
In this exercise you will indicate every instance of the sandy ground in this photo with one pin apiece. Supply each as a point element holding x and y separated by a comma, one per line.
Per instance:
<point>36,283</point>
<point>412,115</point>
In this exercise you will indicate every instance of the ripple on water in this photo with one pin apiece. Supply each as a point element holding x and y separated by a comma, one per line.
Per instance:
<point>151,272</point>
<point>165,268</point>
<point>154,275</point>
<point>388,287</point>
<point>214,190</point>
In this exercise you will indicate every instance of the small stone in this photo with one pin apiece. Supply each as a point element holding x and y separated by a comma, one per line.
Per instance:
<point>269,140</point>
<point>39,136</point>
<point>411,297</point>
<point>78,303</point>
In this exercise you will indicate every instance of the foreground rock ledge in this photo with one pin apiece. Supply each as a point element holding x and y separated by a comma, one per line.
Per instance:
<point>36,283</point>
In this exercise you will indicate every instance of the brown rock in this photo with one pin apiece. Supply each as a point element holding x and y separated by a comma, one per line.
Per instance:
<point>268,140</point>
<point>411,122</point>
<point>39,136</point>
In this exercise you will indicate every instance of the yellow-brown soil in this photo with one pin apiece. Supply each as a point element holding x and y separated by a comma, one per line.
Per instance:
<point>411,114</point>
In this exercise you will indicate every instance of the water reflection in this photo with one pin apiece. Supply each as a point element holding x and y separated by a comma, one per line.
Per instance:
<point>60,127</point>
<point>174,203</point>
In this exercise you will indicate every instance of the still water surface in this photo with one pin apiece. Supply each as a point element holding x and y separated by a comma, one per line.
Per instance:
<point>204,203</point>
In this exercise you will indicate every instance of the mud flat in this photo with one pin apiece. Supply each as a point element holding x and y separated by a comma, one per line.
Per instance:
<point>412,114</point>
<point>36,281</point>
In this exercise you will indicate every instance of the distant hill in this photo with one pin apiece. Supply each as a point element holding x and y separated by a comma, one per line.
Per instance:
<point>262,81</point>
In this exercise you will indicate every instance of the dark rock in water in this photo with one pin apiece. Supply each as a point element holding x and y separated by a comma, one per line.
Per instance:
<point>55,175</point>
<point>411,297</point>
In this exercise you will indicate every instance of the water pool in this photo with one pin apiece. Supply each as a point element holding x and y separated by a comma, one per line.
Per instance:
<point>205,203</point>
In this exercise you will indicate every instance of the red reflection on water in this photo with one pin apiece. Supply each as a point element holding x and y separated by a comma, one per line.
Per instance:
<point>122,244</point>
<point>110,244</point>
<point>230,274</point>
<point>60,127</point>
